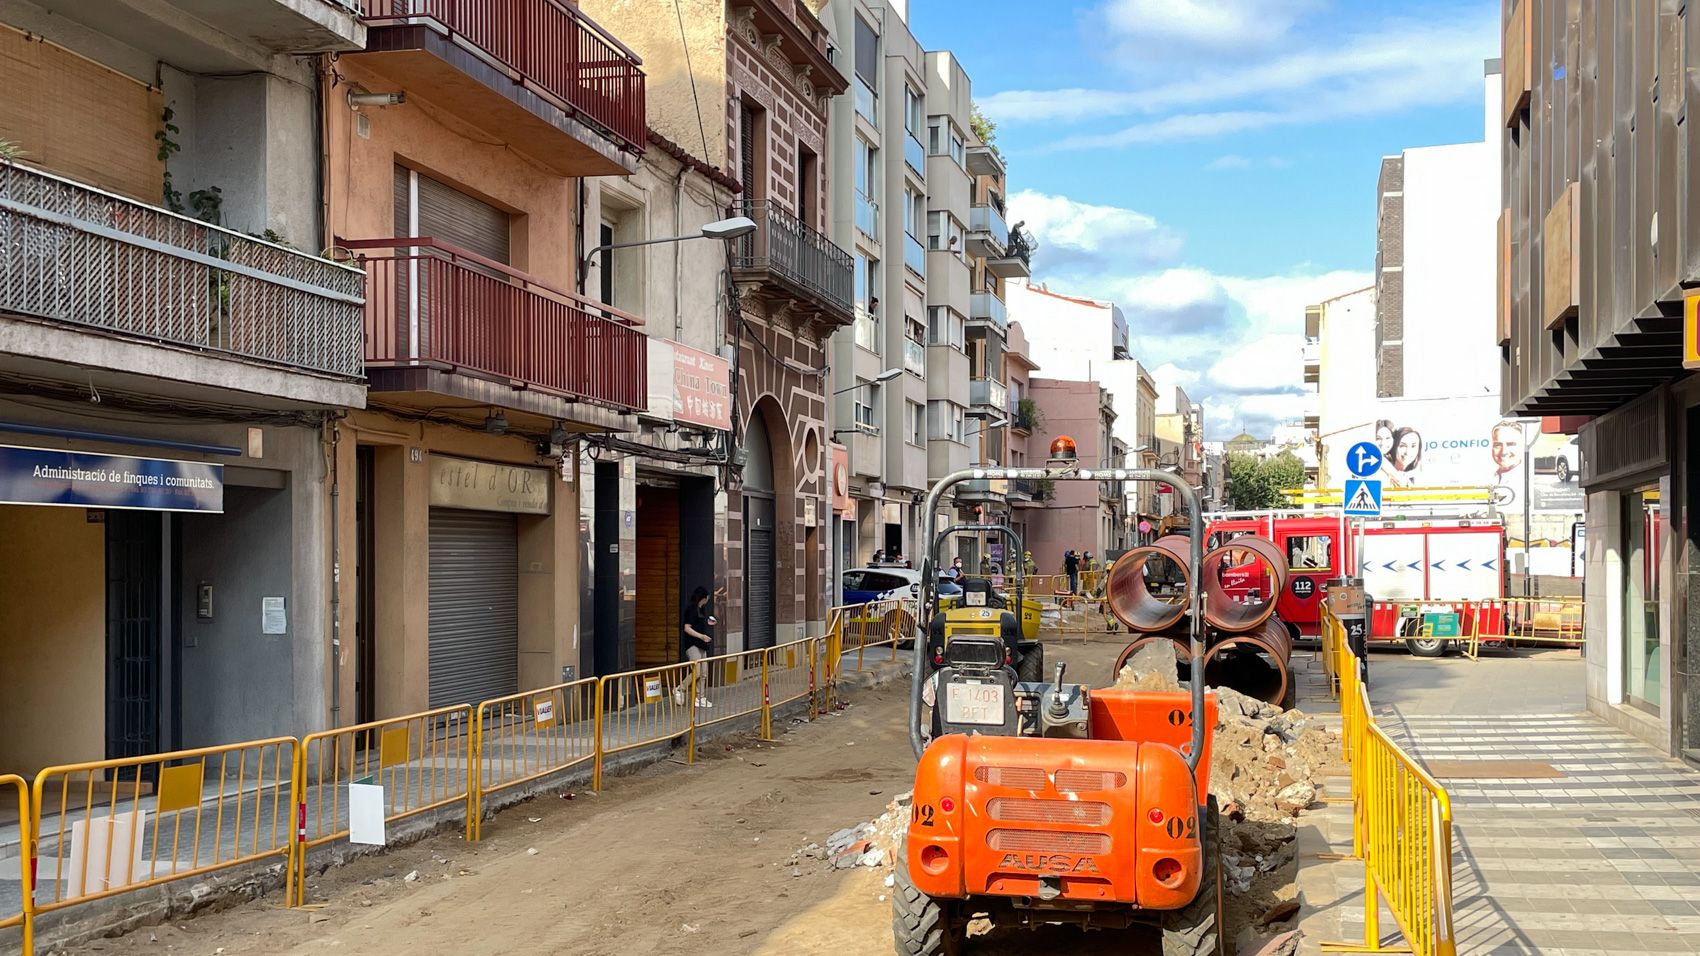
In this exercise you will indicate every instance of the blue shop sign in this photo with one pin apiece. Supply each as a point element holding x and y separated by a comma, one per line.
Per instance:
<point>43,476</point>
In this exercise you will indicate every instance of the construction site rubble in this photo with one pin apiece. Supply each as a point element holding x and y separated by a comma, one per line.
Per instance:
<point>1266,767</point>
<point>870,844</point>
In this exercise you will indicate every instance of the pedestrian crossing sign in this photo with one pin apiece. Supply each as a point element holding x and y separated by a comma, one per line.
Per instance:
<point>1363,497</point>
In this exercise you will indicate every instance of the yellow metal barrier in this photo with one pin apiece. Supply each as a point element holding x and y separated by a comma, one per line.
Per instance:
<point>736,686</point>
<point>639,708</point>
<point>106,827</point>
<point>23,919</point>
<point>422,761</point>
<point>1550,620</point>
<point>522,737</point>
<point>1401,822</point>
<point>788,674</point>
<point>831,654</point>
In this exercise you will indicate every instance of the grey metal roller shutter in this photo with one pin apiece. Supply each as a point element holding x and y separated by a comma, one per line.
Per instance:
<point>474,606</point>
<point>759,586</point>
<point>451,216</point>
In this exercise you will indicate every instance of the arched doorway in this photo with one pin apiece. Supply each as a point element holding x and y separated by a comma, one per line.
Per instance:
<point>760,548</point>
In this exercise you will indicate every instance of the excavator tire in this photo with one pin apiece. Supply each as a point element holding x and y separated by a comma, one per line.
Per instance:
<point>1197,929</point>
<point>921,925</point>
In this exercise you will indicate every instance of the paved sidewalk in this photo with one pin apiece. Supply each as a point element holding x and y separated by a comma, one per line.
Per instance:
<point>1599,855</point>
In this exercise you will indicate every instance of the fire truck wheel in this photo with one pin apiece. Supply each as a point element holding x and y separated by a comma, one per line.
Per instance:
<point>1032,665</point>
<point>920,924</point>
<point>1196,930</point>
<point>1428,646</point>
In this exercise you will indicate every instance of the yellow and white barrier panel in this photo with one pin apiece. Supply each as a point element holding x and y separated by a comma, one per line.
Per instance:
<point>18,922</point>
<point>522,737</point>
<point>640,708</point>
<point>106,827</point>
<point>355,781</point>
<point>1401,823</point>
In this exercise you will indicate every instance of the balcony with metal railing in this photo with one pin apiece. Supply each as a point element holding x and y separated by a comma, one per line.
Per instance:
<point>538,74</point>
<point>987,307</point>
<point>108,283</point>
<point>990,393</point>
<point>1016,260</point>
<point>791,260</point>
<point>444,321</point>
<point>988,234</point>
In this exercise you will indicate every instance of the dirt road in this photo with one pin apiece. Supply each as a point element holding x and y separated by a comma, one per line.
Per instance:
<point>672,860</point>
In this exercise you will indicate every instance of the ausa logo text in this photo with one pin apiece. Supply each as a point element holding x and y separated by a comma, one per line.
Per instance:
<point>1048,862</point>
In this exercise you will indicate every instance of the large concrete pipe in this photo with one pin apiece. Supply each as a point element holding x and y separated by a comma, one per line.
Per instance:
<point>1242,581</point>
<point>1161,565</point>
<point>1183,655</point>
<point>1256,663</point>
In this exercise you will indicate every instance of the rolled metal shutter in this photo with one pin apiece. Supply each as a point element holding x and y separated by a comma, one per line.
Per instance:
<point>474,606</point>
<point>449,215</point>
<point>759,589</point>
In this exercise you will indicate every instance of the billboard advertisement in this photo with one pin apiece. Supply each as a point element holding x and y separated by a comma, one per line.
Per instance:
<point>1464,443</point>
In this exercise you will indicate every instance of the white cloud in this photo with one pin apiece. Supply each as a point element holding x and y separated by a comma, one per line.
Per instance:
<point>1233,342</point>
<point>1171,28</point>
<point>1078,235</point>
<point>1395,66</point>
<point>1229,161</point>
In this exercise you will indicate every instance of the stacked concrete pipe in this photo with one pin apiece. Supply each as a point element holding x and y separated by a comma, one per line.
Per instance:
<point>1132,602</point>
<point>1250,647</point>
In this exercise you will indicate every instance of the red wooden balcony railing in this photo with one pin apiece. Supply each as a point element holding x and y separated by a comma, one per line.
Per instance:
<point>429,303</point>
<point>555,49</point>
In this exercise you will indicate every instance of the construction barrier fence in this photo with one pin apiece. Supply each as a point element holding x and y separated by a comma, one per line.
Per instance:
<point>17,918</point>
<point>1401,820</point>
<point>96,829</point>
<point>523,737</point>
<point>403,767</point>
<point>1537,621</point>
<point>105,827</point>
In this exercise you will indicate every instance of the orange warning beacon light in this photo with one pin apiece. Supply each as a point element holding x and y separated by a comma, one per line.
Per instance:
<point>1062,449</point>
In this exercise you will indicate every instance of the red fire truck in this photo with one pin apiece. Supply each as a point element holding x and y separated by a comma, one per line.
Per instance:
<point>1417,569</point>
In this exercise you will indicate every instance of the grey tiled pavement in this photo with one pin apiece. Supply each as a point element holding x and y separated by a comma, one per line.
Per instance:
<point>1604,859</point>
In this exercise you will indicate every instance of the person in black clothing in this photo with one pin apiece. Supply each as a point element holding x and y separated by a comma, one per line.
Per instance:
<point>696,641</point>
<point>1071,567</point>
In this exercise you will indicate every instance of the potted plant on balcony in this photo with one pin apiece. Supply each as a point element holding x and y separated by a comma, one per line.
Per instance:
<point>1028,416</point>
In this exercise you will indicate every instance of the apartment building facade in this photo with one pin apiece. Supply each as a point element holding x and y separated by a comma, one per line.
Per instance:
<point>748,89</point>
<point>172,352</point>
<point>459,190</point>
<point>1596,271</point>
<point>880,364</point>
<point>1082,516</point>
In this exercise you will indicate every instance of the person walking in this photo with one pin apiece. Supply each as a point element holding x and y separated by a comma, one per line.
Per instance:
<point>1071,567</point>
<point>696,642</point>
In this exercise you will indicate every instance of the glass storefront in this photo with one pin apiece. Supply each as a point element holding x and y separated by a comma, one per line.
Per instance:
<point>1642,538</point>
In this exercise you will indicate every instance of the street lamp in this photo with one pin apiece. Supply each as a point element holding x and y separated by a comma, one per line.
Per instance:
<point>884,376</point>
<point>723,229</point>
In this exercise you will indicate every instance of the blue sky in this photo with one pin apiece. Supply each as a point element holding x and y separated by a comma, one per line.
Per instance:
<point>1210,165</point>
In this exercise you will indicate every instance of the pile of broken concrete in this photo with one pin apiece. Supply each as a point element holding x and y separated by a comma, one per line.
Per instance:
<point>871,844</point>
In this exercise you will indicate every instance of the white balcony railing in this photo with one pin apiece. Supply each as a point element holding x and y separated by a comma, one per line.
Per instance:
<point>72,253</point>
